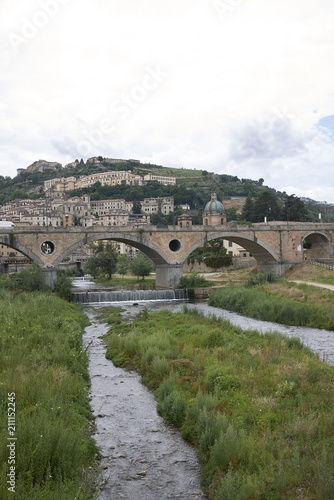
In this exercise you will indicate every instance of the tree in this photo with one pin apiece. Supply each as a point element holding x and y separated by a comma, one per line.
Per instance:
<point>266,205</point>
<point>92,267</point>
<point>141,266</point>
<point>136,208</point>
<point>63,287</point>
<point>123,264</point>
<point>248,209</point>
<point>104,260</point>
<point>294,209</point>
<point>33,278</point>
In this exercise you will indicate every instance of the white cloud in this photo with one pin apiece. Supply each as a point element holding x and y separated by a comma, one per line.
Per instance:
<point>242,93</point>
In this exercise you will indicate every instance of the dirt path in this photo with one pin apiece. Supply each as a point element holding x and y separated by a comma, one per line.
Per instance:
<point>321,285</point>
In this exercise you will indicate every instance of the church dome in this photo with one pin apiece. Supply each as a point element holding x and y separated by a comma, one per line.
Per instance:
<point>214,205</point>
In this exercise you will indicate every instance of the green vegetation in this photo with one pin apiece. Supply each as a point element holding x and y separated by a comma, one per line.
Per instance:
<point>194,281</point>
<point>258,408</point>
<point>104,261</point>
<point>266,297</point>
<point>123,264</point>
<point>32,278</point>
<point>268,205</point>
<point>213,254</point>
<point>43,363</point>
<point>141,266</point>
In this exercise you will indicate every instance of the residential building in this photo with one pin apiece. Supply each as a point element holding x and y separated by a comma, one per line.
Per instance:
<point>163,179</point>
<point>152,205</point>
<point>112,178</point>
<point>102,207</point>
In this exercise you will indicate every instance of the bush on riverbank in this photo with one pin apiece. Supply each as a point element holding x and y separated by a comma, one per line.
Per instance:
<point>43,363</point>
<point>258,303</point>
<point>193,281</point>
<point>258,408</point>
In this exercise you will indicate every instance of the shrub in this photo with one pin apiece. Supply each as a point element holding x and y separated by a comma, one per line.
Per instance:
<point>174,407</point>
<point>194,281</point>
<point>32,278</point>
<point>236,486</point>
<point>210,426</point>
<point>220,380</point>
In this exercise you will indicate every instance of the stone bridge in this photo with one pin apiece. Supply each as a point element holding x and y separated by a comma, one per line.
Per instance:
<point>275,246</point>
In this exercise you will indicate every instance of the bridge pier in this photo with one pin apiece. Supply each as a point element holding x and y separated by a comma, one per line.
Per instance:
<point>50,273</point>
<point>4,268</point>
<point>279,268</point>
<point>168,275</point>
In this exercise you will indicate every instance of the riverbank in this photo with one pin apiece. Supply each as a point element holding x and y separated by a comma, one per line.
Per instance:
<point>45,410</point>
<point>288,300</point>
<point>257,407</point>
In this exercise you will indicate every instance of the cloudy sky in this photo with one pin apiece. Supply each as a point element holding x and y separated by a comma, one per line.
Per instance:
<point>243,87</point>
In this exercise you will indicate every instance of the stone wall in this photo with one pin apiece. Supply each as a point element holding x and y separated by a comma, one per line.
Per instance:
<point>238,263</point>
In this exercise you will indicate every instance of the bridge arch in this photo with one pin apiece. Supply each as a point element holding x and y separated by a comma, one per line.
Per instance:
<point>318,245</point>
<point>264,255</point>
<point>152,251</point>
<point>15,245</point>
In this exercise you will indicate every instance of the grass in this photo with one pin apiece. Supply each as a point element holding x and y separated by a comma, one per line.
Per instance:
<point>282,301</point>
<point>258,408</point>
<point>262,304</point>
<point>44,365</point>
<point>310,272</point>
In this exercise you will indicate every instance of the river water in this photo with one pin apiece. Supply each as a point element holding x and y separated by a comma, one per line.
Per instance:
<point>143,457</point>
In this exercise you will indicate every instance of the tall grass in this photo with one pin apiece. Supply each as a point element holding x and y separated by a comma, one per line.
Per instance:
<point>260,304</point>
<point>43,362</point>
<point>258,408</point>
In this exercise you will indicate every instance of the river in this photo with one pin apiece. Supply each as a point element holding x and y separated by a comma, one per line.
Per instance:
<point>142,456</point>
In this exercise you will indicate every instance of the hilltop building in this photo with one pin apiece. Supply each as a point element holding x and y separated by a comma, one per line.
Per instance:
<point>40,166</point>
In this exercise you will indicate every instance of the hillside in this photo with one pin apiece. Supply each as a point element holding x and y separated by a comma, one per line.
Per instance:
<point>193,187</point>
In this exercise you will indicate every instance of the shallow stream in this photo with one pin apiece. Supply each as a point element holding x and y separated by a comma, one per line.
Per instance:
<point>142,456</point>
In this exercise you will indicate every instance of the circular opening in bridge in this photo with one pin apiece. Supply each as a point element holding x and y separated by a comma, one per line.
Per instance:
<point>47,247</point>
<point>174,245</point>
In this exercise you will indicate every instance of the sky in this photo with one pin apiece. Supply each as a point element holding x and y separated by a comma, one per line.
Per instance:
<point>239,87</point>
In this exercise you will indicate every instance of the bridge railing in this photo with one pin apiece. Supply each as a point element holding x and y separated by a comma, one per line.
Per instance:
<point>327,263</point>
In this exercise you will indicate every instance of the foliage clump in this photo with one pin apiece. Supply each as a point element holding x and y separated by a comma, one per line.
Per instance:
<point>193,281</point>
<point>141,266</point>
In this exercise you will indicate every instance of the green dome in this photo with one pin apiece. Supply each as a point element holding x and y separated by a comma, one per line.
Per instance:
<point>214,205</point>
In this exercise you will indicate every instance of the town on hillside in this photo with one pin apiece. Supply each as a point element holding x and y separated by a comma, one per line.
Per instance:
<point>58,209</point>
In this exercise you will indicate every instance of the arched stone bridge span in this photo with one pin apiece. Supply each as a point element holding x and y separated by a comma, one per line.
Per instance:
<point>275,246</point>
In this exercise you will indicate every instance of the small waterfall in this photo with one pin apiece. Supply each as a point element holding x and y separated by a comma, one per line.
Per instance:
<point>87,277</point>
<point>129,296</point>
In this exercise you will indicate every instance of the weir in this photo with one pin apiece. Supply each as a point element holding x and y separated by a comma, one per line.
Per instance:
<point>128,296</point>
